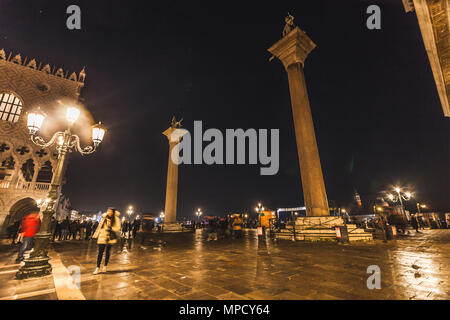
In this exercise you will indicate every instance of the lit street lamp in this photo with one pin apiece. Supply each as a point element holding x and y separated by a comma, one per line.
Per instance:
<point>198,213</point>
<point>162,215</point>
<point>259,208</point>
<point>42,203</point>
<point>419,205</point>
<point>130,212</point>
<point>38,263</point>
<point>399,197</point>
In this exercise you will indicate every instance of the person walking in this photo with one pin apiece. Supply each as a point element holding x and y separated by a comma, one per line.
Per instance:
<point>30,226</point>
<point>125,229</point>
<point>124,234</point>
<point>106,235</point>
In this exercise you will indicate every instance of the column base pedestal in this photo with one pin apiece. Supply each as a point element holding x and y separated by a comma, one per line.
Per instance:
<point>172,227</point>
<point>321,229</point>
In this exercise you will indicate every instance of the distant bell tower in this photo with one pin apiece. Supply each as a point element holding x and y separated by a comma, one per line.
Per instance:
<point>358,199</point>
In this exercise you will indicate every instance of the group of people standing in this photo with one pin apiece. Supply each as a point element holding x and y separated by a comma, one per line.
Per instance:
<point>67,229</point>
<point>225,227</point>
<point>106,232</point>
<point>129,229</point>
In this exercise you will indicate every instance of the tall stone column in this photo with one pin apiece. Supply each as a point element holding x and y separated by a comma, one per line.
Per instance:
<point>292,50</point>
<point>174,135</point>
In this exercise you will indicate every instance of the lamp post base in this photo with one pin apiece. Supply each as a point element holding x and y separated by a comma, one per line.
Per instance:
<point>38,264</point>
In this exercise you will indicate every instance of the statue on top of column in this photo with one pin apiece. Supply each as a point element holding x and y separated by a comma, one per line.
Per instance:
<point>290,25</point>
<point>175,123</point>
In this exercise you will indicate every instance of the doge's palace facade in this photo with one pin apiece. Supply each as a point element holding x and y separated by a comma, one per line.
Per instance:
<point>26,169</point>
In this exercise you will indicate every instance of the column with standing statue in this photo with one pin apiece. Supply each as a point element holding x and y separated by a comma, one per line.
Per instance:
<point>292,50</point>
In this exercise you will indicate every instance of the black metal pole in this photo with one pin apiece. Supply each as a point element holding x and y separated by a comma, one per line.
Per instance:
<point>37,265</point>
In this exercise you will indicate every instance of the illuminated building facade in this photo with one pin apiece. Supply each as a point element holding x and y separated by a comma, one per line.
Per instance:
<point>26,170</point>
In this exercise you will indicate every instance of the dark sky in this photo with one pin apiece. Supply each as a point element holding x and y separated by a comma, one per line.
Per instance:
<point>375,106</point>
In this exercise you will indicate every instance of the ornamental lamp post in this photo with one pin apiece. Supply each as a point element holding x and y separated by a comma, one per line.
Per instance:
<point>130,212</point>
<point>258,209</point>
<point>401,195</point>
<point>343,213</point>
<point>199,213</point>
<point>420,205</point>
<point>37,265</point>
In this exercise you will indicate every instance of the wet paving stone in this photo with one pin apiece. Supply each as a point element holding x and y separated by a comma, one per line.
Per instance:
<point>188,267</point>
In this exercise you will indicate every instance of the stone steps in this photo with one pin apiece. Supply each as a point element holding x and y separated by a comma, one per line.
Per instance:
<point>321,229</point>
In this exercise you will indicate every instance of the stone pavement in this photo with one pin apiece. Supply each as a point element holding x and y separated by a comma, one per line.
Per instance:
<point>186,266</point>
<point>30,289</point>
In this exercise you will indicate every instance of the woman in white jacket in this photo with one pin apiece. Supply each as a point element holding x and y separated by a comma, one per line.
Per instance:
<point>106,235</point>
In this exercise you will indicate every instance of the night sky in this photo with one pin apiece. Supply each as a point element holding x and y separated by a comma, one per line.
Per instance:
<point>376,110</point>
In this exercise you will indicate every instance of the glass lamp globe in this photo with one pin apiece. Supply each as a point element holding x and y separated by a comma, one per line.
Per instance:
<point>72,114</point>
<point>98,132</point>
<point>35,120</point>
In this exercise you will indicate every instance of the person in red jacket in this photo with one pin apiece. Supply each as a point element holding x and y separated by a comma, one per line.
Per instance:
<point>30,226</point>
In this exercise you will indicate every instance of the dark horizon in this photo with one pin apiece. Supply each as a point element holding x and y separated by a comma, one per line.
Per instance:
<point>376,110</point>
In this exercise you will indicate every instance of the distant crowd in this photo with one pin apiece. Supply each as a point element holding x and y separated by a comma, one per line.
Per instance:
<point>23,232</point>
<point>229,227</point>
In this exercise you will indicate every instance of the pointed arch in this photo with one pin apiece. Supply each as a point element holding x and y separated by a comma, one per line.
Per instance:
<point>28,170</point>
<point>19,210</point>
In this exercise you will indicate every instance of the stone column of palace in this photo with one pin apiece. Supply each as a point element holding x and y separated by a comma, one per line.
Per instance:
<point>170,211</point>
<point>292,50</point>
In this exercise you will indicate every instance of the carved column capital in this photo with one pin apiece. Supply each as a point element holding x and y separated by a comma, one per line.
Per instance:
<point>293,48</point>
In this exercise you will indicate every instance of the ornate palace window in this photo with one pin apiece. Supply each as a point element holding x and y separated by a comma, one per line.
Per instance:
<point>10,107</point>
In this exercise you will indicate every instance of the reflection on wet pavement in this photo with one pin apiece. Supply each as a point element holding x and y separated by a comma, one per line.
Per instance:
<point>186,266</point>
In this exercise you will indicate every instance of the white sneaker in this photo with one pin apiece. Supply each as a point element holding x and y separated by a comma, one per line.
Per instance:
<point>97,271</point>
<point>104,269</point>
